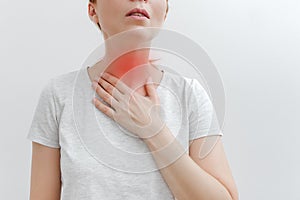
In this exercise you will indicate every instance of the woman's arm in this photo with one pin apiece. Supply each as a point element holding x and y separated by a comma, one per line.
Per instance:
<point>184,176</point>
<point>190,178</point>
<point>45,173</point>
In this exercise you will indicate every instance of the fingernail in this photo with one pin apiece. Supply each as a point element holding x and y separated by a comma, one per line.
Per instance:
<point>97,78</point>
<point>94,100</point>
<point>94,85</point>
<point>105,74</point>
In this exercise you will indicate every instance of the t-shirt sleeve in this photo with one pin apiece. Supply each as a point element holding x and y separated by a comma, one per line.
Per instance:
<point>202,116</point>
<point>44,125</point>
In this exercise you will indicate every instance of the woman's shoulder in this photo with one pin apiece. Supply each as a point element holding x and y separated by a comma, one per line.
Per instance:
<point>65,79</point>
<point>61,86</point>
<point>176,80</point>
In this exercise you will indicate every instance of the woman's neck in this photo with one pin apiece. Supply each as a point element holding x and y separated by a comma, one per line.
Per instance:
<point>129,65</point>
<point>132,68</point>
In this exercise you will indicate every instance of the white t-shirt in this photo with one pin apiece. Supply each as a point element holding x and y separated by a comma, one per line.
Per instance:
<point>99,159</point>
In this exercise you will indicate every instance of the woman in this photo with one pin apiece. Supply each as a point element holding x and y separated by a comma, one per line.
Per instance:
<point>63,166</point>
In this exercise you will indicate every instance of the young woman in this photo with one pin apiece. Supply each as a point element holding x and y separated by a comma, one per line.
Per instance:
<point>63,166</point>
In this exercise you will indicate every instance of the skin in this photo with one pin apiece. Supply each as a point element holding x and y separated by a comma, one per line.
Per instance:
<point>189,177</point>
<point>45,173</point>
<point>111,17</point>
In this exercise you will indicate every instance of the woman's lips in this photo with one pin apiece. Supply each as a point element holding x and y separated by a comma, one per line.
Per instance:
<point>138,13</point>
<point>135,17</point>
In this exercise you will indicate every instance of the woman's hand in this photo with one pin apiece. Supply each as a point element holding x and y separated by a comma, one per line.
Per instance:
<point>138,114</point>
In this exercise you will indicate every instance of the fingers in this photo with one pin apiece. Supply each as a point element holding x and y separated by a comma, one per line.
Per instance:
<point>104,94</point>
<point>114,92</point>
<point>117,83</point>
<point>104,108</point>
<point>151,90</point>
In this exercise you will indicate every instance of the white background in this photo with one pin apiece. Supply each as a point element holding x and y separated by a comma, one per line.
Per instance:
<point>255,45</point>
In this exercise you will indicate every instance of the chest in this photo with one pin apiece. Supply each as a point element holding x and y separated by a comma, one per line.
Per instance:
<point>90,141</point>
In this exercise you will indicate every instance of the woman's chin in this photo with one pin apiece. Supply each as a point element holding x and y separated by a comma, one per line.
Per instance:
<point>140,33</point>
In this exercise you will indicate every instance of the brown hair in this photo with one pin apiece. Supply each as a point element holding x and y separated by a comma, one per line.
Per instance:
<point>95,1</point>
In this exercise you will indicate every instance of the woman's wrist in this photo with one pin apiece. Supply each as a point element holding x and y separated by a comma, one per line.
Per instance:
<point>165,147</point>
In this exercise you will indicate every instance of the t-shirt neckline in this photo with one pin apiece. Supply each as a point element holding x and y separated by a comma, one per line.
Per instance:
<point>159,87</point>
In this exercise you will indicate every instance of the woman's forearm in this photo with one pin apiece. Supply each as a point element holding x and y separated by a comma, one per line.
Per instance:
<point>186,179</point>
